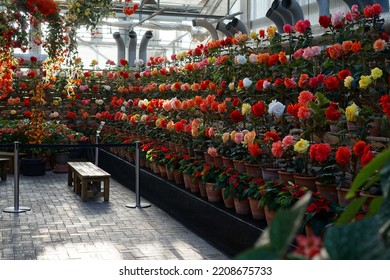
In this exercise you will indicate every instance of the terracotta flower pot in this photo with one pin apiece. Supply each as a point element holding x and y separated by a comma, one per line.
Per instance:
<point>227,162</point>
<point>269,215</point>
<point>239,165</point>
<point>213,194</point>
<point>228,201</point>
<point>306,181</point>
<point>242,206</point>
<point>328,190</point>
<point>270,173</point>
<point>170,175</point>
<point>208,158</point>
<point>163,170</point>
<point>286,176</point>
<point>253,169</point>
<point>202,189</point>
<point>178,177</point>
<point>218,160</point>
<point>256,210</point>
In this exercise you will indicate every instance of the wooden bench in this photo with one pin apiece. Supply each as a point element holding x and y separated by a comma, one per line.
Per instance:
<point>86,178</point>
<point>3,168</point>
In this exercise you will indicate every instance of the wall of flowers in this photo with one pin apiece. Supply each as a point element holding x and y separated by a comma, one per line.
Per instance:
<point>259,119</point>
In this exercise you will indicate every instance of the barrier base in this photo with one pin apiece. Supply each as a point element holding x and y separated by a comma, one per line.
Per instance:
<point>134,205</point>
<point>16,210</point>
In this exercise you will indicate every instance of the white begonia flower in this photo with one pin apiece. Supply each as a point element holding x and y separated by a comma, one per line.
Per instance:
<point>276,108</point>
<point>247,82</point>
<point>240,59</point>
<point>107,87</point>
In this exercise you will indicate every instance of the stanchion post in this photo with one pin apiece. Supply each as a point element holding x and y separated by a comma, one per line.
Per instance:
<point>138,203</point>
<point>97,142</point>
<point>16,208</point>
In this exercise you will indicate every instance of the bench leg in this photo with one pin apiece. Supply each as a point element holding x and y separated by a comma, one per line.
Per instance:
<point>77,184</point>
<point>84,190</point>
<point>70,176</point>
<point>106,189</point>
<point>3,171</point>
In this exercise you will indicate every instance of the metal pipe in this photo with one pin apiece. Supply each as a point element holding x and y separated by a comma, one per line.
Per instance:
<point>276,18</point>
<point>121,46</point>
<point>132,55</point>
<point>295,10</point>
<point>144,44</point>
<point>283,12</point>
<point>210,28</point>
<point>323,6</point>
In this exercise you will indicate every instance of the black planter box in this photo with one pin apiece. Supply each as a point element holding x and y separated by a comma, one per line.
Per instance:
<point>222,227</point>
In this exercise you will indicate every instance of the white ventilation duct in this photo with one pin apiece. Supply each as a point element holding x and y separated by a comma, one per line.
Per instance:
<point>323,6</point>
<point>295,10</point>
<point>239,25</point>
<point>120,45</point>
<point>144,44</point>
<point>276,18</point>
<point>283,12</point>
<point>210,28</point>
<point>384,4</point>
<point>132,55</point>
<point>221,26</point>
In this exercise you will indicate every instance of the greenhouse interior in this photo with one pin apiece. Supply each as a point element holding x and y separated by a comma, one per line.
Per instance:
<point>194,130</point>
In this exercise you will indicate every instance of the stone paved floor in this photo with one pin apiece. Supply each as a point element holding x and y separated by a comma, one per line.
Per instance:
<point>62,227</point>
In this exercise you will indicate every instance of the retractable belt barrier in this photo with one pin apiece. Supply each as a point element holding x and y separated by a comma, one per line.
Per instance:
<point>17,146</point>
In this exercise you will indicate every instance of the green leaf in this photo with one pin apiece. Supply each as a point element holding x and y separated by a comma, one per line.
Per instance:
<point>264,253</point>
<point>351,211</point>
<point>356,241</point>
<point>385,180</point>
<point>368,171</point>
<point>276,239</point>
<point>375,205</point>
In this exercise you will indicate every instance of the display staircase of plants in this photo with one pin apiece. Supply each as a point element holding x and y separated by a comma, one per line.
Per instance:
<point>251,115</point>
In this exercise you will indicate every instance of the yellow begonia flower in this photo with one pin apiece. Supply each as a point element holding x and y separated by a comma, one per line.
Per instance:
<point>364,82</point>
<point>271,31</point>
<point>348,81</point>
<point>225,137</point>
<point>352,112</point>
<point>246,108</point>
<point>253,35</point>
<point>231,86</point>
<point>301,146</point>
<point>376,73</point>
<point>249,138</point>
<point>171,125</point>
<point>56,102</point>
<point>233,135</point>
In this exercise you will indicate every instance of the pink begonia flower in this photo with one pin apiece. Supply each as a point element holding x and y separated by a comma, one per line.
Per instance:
<point>86,101</point>
<point>238,137</point>
<point>337,19</point>
<point>288,141</point>
<point>253,58</point>
<point>167,105</point>
<point>212,151</point>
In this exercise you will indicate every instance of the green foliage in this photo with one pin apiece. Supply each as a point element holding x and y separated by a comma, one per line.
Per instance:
<point>276,240</point>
